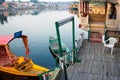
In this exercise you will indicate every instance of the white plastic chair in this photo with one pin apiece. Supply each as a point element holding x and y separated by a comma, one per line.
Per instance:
<point>110,44</point>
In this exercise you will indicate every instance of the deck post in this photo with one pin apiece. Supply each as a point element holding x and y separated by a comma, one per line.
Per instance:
<point>59,39</point>
<point>62,60</point>
<point>40,76</point>
<point>105,32</point>
<point>89,32</point>
<point>73,37</point>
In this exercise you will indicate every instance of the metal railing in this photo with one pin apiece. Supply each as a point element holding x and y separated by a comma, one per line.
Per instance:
<point>60,23</point>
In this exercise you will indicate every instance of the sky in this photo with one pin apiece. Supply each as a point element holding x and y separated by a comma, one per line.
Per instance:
<point>48,0</point>
<point>57,0</point>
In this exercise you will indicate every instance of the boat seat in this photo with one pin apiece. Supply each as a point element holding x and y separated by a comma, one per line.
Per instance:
<point>2,51</point>
<point>24,66</point>
<point>18,66</point>
<point>5,61</point>
<point>14,58</point>
<point>4,58</point>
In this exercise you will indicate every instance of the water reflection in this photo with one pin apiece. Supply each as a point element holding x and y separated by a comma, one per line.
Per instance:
<point>38,29</point>
<point>3,19</point>
<point>5,14</point>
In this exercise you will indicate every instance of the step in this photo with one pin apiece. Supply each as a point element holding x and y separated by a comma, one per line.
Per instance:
<point>97,25</point>
<point>97,40</point>
<point>95,34</point>
<point>99,30</point>
<point>95,37</point>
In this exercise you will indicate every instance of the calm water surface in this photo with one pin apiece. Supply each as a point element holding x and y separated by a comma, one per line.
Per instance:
<point>38,26</point>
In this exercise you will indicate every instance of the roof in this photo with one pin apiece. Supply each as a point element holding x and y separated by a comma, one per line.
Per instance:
<point>5,39</point>
<point>111,1</point>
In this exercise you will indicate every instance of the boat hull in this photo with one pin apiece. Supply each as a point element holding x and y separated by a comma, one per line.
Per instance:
<point>54,55</point>
<point>26,71</point>
<point>8,76</point>
<point>54,48</point>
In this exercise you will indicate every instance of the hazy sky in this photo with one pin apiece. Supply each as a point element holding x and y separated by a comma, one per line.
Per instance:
<point>58,0</point>
<point>48,0</point>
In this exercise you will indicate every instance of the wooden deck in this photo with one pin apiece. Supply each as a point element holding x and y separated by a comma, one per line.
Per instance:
<point>95,64</point>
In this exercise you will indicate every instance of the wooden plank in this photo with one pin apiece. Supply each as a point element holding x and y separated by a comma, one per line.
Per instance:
<point>89,67</point>
<point>86,66</point>
<point>112,78</point>
<point>118,65</point>
<point>95,64</point>
<point>81,66</point>
<point>100,77</point>
<point>95,67</point>
<point>117,56</point>
<point>70,71</point>
<point>75,76</point>
<point>77,66</point>
<point>91,51</point>
<point>109,69</point>
<point>102,68</point>
<point>99,52</point>
<point>94,77</point>
<point>104,78</point>
<point>116,70</point>
<point>84,76</point>
<point>90,76</point>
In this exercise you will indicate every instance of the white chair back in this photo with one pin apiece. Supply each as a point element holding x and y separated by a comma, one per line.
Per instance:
<point>111,43</point>
<point>112,40</point>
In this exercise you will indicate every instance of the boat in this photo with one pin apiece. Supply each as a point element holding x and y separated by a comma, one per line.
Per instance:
<point>54,48</point>
<point>17,67</point>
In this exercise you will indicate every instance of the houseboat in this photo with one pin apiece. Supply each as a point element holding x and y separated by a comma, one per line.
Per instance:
<point>98,18</point>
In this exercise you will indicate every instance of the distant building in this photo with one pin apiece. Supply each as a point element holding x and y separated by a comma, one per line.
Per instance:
<point>4,4</point>
<point>34,1</point>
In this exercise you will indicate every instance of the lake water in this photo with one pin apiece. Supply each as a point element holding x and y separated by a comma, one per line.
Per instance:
<point>38,26</point>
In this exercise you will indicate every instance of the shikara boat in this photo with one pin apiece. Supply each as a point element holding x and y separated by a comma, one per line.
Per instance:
<point>14,67</point>
<point>54,47</point>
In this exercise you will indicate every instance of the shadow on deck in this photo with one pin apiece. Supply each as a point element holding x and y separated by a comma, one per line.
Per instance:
<point>95,64</point>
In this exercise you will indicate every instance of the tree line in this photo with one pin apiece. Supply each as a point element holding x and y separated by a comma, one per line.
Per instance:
<point>1,1</point>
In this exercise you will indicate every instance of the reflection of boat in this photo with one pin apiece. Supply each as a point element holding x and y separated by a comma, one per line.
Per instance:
<point>53,44</point>
<point>12,65</point>
<point>3,19</point>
